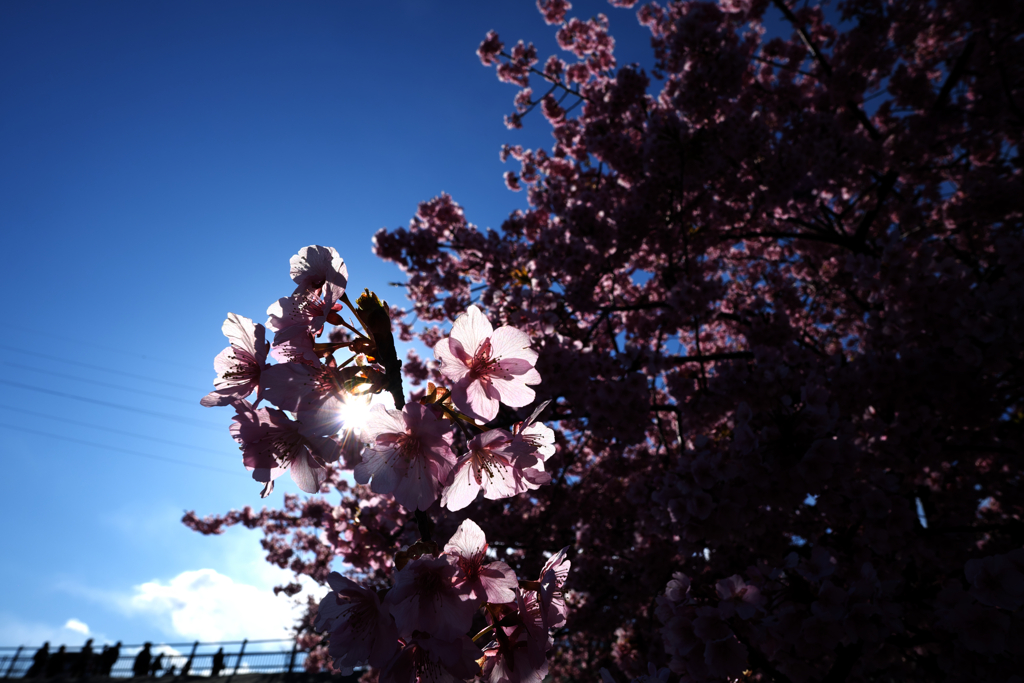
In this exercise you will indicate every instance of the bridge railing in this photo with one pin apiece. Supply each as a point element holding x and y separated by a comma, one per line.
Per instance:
<point>178,660</point>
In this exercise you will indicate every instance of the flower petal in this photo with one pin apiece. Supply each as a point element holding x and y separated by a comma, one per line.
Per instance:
<point>242,333</point>
<point>462,489</point>
<point>417,490</point>
<point>451,355</point>
<point>509,342</point>
<point>468,540</point>
<point>307,474</point>
<point>471,329</point>
<point>476,398</point>
<point>514,393</point>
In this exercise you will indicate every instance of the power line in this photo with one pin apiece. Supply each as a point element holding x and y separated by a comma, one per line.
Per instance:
<point>153,413</point>
<point>50,357</point>
<point>64,375</point>
<point>85,342</point>
<point>156,439</point>
<point>115,448</point>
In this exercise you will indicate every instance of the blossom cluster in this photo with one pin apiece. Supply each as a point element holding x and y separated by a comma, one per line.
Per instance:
<point>324,415</point>
<point>417,628</point>
<point>406,453</point>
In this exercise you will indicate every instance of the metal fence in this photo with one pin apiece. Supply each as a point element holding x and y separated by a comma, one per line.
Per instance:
<point>237,657</point>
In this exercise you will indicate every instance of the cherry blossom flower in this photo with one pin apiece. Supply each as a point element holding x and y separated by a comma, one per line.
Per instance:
<point>490,49</point>
<point>737,596</point>
<point>749,283</point>
<point>299,386</point>
<point>551,597</point>
<point>297,319</point>
<point>315,267</point>
<point>536,440</point>
<point>239,366</point>
<point>488,366</point>
<point>314,392</point>
<point>519,653</point>
<point>408,454</point>
<point>273,444</point>
<point>997,581</point>
<point>425,598</point>
<point>493,582</point>
<point>360,630</point>
<point>425,659</point>
<point>494,465</point>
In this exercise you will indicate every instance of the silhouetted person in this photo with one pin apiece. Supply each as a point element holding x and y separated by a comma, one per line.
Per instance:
<point>38,667</point>
<point>109,658</point>
<point>83,660</point>
<point>141,666</point>
<point>55,664</point>
<point>218,663</point>
<point>157,664</point>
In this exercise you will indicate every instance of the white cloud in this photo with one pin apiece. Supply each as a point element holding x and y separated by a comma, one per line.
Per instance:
<point>78,626</point>
<point>15,630</point>
<point>230,598</point>
<point>205,605</point>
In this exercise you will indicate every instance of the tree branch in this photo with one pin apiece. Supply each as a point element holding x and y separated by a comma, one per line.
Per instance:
<point>955,74</point>
<point>709,357</point>
<point>804,36</point>
<point>884,188</point>
<point>826,67</point>
<point>837,240</point>
<point>425,525</point>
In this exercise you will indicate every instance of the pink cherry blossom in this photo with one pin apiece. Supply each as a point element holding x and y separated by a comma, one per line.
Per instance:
<point>536,440</point>
<point>315,267</point>
<point>494,465</point>
<point>273,444</point>
<point>551,596</point>
<point>360,631</point>
<point>737,595</point>
<point>408,454</point>
<point>998,581</point>
<point>239,366</point>
<point>298,319</point>
<point>518,654</point>
<point>488,366</point>
<point>425,659</point>
<point>492,582</point>
<point>425,598</point>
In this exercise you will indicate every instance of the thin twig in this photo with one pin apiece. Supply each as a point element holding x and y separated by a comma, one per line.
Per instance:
<point>783,66</point>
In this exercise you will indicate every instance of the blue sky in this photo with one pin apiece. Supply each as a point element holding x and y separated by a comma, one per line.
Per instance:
<point>161,163</point>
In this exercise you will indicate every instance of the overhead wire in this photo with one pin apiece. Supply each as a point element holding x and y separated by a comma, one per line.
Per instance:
<point>51,358</point>
<point>85,342</point>
<point>121,432</point>
<point>64,375</point>
<point>150,456</point>
<point>106,447</point>
<point>152,413</point>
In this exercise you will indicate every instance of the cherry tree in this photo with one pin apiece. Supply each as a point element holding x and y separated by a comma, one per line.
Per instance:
<point>752,357</point>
